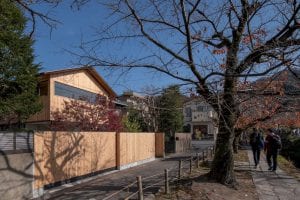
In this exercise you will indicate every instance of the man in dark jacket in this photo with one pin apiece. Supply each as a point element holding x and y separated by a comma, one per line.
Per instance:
<point>272,146</point>
<point>256,142</point>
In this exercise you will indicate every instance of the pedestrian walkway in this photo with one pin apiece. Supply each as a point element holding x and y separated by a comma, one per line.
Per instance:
<point>273,185</point>
<point>104,186</point>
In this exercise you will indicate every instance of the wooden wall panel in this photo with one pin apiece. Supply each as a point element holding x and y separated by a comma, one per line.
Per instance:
<point>159,144</point>
<point>183,136</point>
<point>79,79</point>
<point>183,142</point>
<point>44,114</point>
<point>135,147</point>
<point>38,160</point>
<point>64,155</point>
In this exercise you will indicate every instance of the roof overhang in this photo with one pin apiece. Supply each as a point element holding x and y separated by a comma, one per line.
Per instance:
<point>88,69</point>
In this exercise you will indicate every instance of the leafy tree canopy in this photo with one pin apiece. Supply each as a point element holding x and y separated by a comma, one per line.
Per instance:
<point>131,124</point>
<point>171,117</point>
<point>18,73</point>
<point>135,121</point>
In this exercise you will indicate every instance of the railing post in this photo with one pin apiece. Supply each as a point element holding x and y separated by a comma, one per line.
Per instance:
<point>140,187</point>
<point>198,160</point>
<point>167,189</point>
<point>203,156</point>
<point>211,152</point>
<point>179,169</point>
<point>191,164</point>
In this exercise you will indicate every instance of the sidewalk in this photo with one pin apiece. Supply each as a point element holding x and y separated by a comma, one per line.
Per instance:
<point>273,185</point>
<point>104,186</point>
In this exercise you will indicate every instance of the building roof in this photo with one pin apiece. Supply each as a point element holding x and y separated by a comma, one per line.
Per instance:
<point>88,69</point>
<point>132,94</point>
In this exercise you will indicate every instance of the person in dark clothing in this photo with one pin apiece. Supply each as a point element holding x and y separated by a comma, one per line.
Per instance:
<point>257,144</point>
<point>272,146</point>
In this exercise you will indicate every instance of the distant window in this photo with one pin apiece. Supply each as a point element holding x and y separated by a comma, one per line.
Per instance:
<point>200,108</point>
<point>188,112</point>
<point>74,93</point>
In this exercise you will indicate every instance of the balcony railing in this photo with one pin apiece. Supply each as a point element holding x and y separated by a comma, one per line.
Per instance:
<point>202,116</point>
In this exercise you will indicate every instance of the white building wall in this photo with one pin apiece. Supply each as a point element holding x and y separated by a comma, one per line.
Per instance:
<point>197,113</point>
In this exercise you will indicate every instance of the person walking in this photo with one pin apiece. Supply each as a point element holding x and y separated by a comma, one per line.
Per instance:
<point>272,146</point>
<point>257,144</point>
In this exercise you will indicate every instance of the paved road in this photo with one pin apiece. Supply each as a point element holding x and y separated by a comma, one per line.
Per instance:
<point>104,186</point>
<point>271,185</point>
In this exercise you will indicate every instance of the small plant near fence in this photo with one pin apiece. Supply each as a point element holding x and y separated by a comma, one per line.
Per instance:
<point>138,188</point>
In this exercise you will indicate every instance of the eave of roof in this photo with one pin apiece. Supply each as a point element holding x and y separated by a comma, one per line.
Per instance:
<point>91,71</point>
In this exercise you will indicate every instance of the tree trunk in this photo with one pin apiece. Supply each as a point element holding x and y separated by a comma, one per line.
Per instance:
<point>223,163</point>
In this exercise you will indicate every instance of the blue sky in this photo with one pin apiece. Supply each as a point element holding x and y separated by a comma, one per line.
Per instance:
<point>51,48</point>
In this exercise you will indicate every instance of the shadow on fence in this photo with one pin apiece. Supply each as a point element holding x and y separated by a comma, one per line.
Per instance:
<point>145,185</point>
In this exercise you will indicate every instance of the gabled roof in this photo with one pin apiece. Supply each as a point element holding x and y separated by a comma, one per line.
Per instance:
<point>88,69</point>
<point>131,94</point>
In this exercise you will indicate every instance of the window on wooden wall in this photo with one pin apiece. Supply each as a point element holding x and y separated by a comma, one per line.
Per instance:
<point>75,93</point>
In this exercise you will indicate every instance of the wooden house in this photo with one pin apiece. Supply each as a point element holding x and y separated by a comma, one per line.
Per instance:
<point>57,86</point>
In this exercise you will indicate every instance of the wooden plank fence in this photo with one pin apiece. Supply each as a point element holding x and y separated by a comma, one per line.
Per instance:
<point>62,157</point>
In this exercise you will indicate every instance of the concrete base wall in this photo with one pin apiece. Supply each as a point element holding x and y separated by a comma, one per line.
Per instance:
<point>16,176</point>
<point>135,164</point>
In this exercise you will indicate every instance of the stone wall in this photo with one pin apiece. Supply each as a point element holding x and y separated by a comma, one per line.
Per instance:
<point>16,176</point>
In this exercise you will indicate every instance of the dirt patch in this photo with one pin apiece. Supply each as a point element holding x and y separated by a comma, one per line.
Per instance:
<point>197,186</point>
<point>241,156</point>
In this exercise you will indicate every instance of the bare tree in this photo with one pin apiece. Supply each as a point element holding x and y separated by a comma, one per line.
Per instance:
<point>41,10</point>
<point>209,44</point>
<point>212,45</point>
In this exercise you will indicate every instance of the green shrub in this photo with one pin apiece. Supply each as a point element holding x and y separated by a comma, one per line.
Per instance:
<point>290,146</point>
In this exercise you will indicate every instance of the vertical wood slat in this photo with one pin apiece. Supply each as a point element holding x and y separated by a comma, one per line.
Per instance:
<point>135,147</point>
<point>64,155</point>
<point>159,145</point>
<point>69,154</point>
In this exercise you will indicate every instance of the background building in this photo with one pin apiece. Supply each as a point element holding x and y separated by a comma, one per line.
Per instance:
<point>200,118</point>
